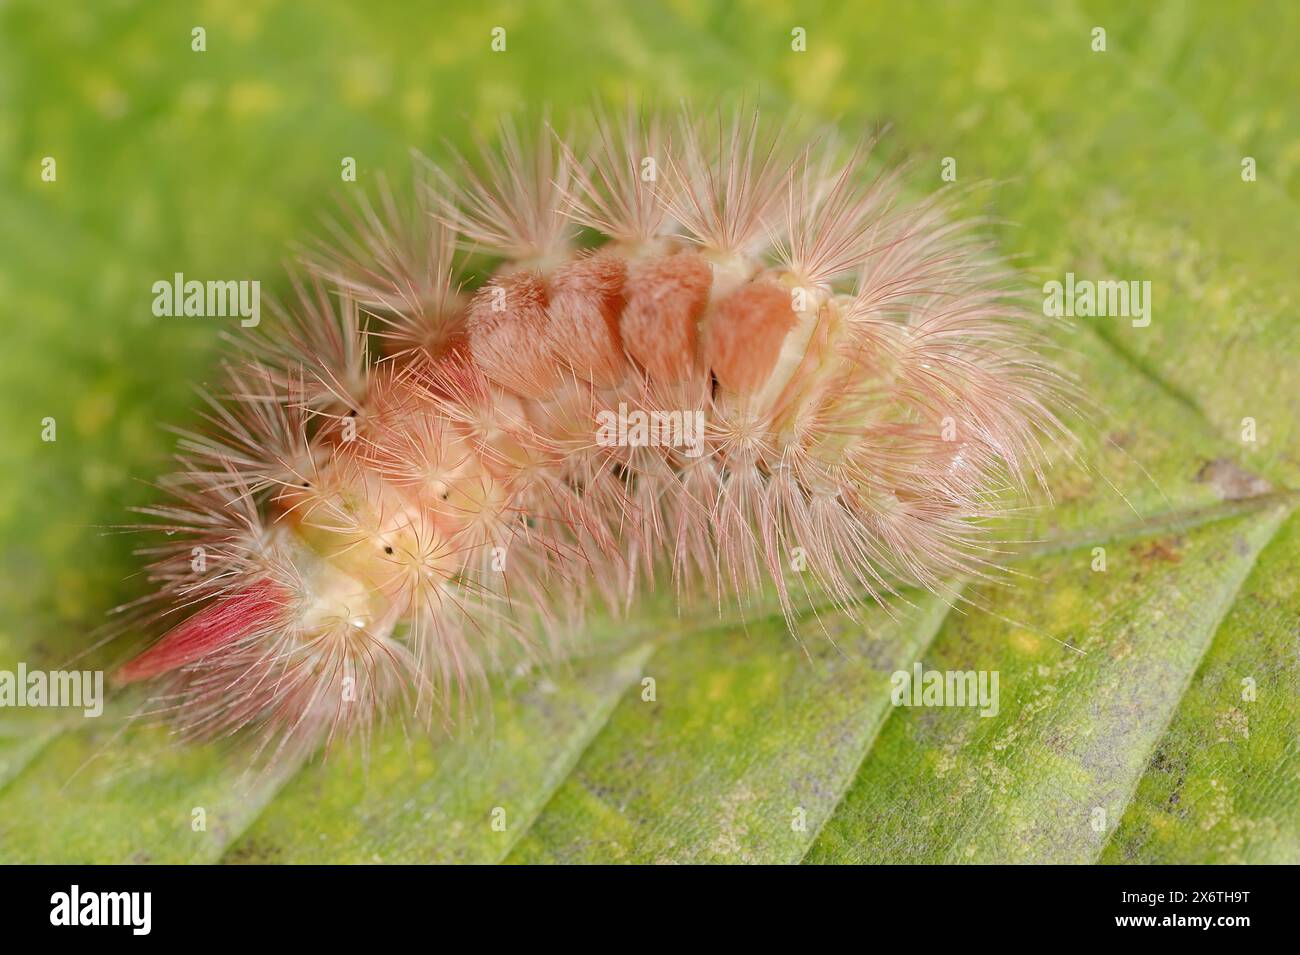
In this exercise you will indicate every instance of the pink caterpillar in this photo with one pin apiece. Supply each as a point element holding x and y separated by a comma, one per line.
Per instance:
<point>412,483</point>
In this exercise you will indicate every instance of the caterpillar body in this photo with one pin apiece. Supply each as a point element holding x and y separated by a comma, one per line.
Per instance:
<point>764,351</point>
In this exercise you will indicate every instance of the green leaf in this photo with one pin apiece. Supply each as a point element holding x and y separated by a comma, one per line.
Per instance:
<point>1048,778</point>
<point>1220,786</point>
<point>1170,738</point>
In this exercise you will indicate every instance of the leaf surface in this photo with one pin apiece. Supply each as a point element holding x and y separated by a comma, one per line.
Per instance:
<point>756,746</point>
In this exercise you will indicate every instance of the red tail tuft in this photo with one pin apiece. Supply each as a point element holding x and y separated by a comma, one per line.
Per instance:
<point>213,627</point>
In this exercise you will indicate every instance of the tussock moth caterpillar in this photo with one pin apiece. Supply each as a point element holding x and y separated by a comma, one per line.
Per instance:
<point>410,479</point>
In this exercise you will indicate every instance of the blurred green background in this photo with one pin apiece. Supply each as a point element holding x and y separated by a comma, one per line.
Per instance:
<point>1123,164</point>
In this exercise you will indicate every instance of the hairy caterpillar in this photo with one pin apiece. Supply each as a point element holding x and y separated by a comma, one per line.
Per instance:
<point>412,480</point>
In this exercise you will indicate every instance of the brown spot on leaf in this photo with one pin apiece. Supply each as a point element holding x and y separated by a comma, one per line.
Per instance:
<point>1231,481</point>
<point>1162,548</point>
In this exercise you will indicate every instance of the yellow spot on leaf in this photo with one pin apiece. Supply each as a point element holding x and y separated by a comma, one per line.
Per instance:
<point>249,99</point>
<point>1022,641</point>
